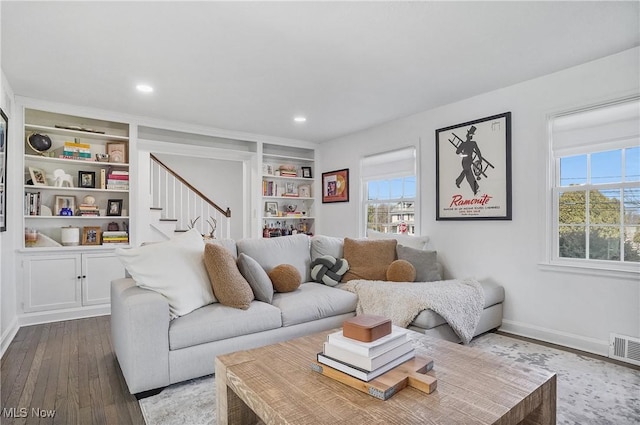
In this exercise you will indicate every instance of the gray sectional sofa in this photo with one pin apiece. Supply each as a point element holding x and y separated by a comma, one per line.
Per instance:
<point>154,351</point>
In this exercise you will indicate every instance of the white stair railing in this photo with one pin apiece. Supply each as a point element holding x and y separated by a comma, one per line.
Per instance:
<point>181,201</point>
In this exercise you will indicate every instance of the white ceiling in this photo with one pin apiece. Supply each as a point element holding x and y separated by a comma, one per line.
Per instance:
<point>253,66</point>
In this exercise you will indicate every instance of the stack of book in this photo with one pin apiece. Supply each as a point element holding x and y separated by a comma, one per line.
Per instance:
<point>111,237</point>
<point>73,150</point>
<point>32,202</point>
<point>366,360</point>
<point>88,210</point>
<point>288,171</point>
<point>118,180</point>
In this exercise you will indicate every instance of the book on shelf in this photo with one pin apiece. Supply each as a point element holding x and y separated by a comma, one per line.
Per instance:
<point>113,176</point>
<point>397,337</point>
<point>103,178</point>
<point>362,374</point>
<point>119,172</point>
<point>366,362</point>
<point>32,202</point>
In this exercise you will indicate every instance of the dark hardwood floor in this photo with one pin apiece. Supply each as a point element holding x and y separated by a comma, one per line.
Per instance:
<point>65,373</point>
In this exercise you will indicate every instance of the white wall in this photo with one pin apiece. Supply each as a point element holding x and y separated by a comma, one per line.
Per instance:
<point>220,180</point>
<point>578,310</point>
<point>8,315</point>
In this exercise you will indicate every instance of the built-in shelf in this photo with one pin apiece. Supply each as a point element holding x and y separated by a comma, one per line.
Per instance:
<point>73,133</point>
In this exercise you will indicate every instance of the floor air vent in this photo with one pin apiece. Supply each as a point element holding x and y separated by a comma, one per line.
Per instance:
<point>624,348</point>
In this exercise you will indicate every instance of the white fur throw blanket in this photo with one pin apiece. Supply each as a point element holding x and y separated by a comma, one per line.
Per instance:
<point>459,302</point>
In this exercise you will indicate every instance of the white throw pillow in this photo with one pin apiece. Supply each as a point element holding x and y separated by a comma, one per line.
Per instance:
<point>417,242</point>
<point>174,268</point>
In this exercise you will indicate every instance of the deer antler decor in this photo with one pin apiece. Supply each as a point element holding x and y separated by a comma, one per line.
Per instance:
<point>192,223</point>
<point>213,223</point>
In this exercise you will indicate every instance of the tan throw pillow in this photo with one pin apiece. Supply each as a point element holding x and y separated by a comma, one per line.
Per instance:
<point>229,286</point>
<point>285,278</point>
<point>368,259</point>
<point>401,271</point>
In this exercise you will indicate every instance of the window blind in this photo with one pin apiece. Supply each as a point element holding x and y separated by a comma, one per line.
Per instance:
<point>606,127</point>
<point>396,163</point>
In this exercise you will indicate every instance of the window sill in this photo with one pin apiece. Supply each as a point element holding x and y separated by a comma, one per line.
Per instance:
<point>631,271</point>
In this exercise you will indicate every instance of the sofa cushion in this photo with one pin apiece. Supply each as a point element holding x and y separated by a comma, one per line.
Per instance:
<point>230,244</point>
<point>425,262</point>
<point>493,294</point>
<point>229,286</point>
<point>417,242</point>
<point>368,259</point>
<point>216,322</point>
<point>401,271</point>
<point>313,301</point>
<point>174,268</point>
<point>269,253</point>
<point>326,245</point>
<point>256,277</point>
<point>328,270</point>
<point>285,278</point>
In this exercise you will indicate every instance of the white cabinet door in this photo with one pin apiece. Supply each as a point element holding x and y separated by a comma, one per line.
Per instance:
<point>98,270</point>
<point>52,282</point>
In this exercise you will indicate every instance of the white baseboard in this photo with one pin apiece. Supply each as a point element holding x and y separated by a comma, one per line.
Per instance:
<point>8,335</point>
<point>28,319</point>
<point>590,345</point>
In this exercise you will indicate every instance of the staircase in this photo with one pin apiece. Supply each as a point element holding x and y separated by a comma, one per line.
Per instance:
<point>177,206</point>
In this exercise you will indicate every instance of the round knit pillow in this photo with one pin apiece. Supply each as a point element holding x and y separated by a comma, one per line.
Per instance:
<point>285,278</point>
<point>401,271</point>
<point>328,270</point>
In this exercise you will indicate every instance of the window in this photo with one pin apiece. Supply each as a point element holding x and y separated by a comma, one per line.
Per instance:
<point>596,186</point>
<point>390,192</point>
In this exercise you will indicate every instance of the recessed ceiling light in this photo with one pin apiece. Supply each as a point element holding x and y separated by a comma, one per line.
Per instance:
<point>144,88</point>
<point>300,119</point>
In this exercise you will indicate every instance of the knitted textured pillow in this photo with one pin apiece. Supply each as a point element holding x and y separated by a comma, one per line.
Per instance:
<point>285,278</point>
<point>328,270</point>
<point>229,286</point>
<point>401,271</point>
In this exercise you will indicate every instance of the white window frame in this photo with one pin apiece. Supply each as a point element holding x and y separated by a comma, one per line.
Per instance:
<point>364,180</point>
<point>553,261</point>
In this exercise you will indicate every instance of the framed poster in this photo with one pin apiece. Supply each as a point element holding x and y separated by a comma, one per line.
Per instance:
<point>335,186</point>
<point>4,133</point>
<point>473,170</point>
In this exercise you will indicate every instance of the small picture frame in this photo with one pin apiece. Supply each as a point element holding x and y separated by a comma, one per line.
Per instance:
<point>304,191</point>
<point>38,176</point>
<point>271,209</point>
<point>117,152</point>
<point>291,189</point>
<point>114,207</point>
<point>64,202</point>
<point>306,172</point>
<point>91,235</point>
<point>267,169</point>
<point>87,179</point>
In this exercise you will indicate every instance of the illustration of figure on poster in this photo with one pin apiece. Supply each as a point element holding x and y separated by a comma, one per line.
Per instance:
<point>474,165</point>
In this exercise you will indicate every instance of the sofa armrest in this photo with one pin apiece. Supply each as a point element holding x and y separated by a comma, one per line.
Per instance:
<point>140,335</point>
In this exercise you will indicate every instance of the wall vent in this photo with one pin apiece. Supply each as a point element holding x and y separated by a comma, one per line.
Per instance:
<point>624,348</point>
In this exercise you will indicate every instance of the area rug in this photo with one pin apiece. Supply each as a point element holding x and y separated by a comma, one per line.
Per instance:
<point>590,391</point>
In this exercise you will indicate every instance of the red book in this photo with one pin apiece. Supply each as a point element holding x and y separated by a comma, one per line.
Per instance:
<point>118,177</point>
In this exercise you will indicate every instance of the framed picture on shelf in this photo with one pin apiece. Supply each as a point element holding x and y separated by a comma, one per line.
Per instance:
<point>473,170</point>
<point>271,209</point>
<point>335,186</point>
<point>117,152</point>
<point>291,189</point>
<point>267,169</point>
<point>91,235</point>
<point>68,202</point>
<point>87,179</point>
<point>306,172</point>
<point>114,207</point>
<point>4,124</point>
<point>304,191</point>
<point>38,177</point>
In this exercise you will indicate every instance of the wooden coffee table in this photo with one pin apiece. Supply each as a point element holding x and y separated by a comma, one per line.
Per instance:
<point>275,384</point>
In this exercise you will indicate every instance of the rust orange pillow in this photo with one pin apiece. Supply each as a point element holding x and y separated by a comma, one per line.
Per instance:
<point>368,258</point>
<point>285,278</point>
<point>401,271</point>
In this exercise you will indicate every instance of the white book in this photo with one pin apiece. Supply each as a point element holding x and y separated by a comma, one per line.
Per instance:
<point>397,337</point>
<point>361,374</point>
<point>364,362</point>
